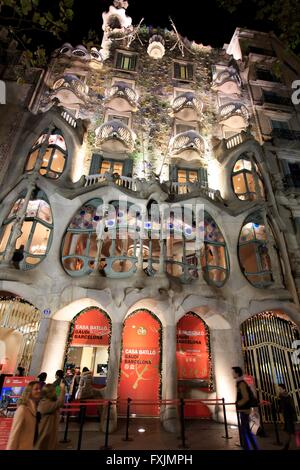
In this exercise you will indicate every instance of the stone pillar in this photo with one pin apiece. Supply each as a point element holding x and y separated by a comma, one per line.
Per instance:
<point>226,353</point>
<point>39,348</point>
<point>112,381</point>
<point>55,348</point>
<point>169,413</point>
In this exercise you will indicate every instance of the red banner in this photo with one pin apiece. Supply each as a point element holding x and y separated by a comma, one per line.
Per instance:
<point>192,348</point>
<point>16,381</point>
<point>5,427</point>
<point>140,364</point>
<point>91,328</point>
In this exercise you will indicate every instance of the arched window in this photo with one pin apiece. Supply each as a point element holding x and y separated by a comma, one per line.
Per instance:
<point>80,243</point>
<point>247,180</point>
<point>253,252</point>
<point>214,255</point>
<point>54,159</point>
<point>34,243</point>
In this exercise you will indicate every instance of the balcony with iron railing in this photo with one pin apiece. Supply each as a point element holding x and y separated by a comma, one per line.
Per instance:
<point>122,97</point>
<point>227,81</point>
<point>234,115</point>
<point>187,106</point>
<point>187,144</point>
<point>114,135</point>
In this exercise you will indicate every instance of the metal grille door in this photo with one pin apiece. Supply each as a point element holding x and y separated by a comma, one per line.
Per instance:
<point>267,341</point>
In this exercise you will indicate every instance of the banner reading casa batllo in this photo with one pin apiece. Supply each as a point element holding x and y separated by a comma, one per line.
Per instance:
<point>91,328</point>
<point>140,373</point>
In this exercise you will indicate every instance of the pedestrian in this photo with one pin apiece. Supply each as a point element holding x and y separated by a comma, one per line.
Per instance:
<point>59,379</point>
<point>74,384</point>
<point>86,389</point>
<point>24,431</point>
<point>20,371</point>
<point>287,410</point>
<point>42,379</point>
<point>48,408</point>
<point>245,400</point>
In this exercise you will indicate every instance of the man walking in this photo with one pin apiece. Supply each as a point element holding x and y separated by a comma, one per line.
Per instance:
<point>245,400</point>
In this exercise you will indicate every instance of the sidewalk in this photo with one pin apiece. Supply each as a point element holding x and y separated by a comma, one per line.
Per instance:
<point>200,435</point>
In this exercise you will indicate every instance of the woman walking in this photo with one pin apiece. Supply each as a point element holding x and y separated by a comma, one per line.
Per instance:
<point>24,429</point>
<point>49,409</point>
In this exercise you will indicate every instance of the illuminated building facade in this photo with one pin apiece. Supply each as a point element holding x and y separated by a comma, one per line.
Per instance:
<point>138,136</point>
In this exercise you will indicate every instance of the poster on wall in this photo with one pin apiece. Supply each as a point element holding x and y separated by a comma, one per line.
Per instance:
<point>91,328</point>
<point>192,349</point>
<point>193,362</point>
<point>12,388</point>
<point>140,371</point>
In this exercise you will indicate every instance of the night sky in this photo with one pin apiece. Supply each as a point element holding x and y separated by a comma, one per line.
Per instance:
<point>202,20</point>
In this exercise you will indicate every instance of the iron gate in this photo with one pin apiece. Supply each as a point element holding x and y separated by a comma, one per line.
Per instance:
<point>267,342</point>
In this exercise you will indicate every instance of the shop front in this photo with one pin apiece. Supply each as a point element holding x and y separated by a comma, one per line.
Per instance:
<point>89,342</point>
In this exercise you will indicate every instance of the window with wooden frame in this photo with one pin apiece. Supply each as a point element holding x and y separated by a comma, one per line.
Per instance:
<point>126,61</point>
<point>183,71</point>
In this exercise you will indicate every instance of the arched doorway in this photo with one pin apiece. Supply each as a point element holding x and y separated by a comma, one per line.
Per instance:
<point>193,357</point>
<point>89,343</point>
<point>140,369</point>
<point>267,342</point>
<point>19,326</point>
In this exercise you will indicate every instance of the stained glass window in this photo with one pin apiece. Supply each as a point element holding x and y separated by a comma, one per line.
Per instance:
<point>54,159</point>
<point>243,180</point>
<point>214,255</point>
<point>253,252</point>
<point>36,231</point>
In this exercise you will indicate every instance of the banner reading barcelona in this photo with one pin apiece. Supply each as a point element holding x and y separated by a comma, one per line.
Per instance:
<point>140,374</point>
<point>192,348</point>
<point>91,328</point>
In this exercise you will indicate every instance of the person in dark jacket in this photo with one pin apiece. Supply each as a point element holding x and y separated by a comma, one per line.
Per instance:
<point>288,412</point>
<point>42,379</point>
<point>244,404</point>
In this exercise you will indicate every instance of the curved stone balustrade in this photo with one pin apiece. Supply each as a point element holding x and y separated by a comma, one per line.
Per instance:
<point>114,135</point>
<point>234,115</point>
<point>187,106</point>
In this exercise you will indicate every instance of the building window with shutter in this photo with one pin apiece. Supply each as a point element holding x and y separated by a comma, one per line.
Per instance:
<point>183,71</point>
<point>126,61</point>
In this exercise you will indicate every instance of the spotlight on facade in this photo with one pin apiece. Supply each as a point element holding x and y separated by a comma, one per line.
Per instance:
<point>141,430</point>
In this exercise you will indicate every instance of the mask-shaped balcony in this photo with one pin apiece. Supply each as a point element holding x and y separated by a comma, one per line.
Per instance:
<point>115,136</point>
<point>227,81</point>
<point>234,115</point>
<point>121,97</point>
<point>70,91</point>
<point>187,107</point>
<point>187,145</point>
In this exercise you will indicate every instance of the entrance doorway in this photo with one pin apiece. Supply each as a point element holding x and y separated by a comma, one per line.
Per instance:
<point>89,342</point>
<point>267,342</point>
<point>19,326</point>
<point>140,369</point>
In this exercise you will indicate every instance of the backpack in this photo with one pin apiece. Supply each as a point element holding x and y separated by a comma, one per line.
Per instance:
<point>253,401</point>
